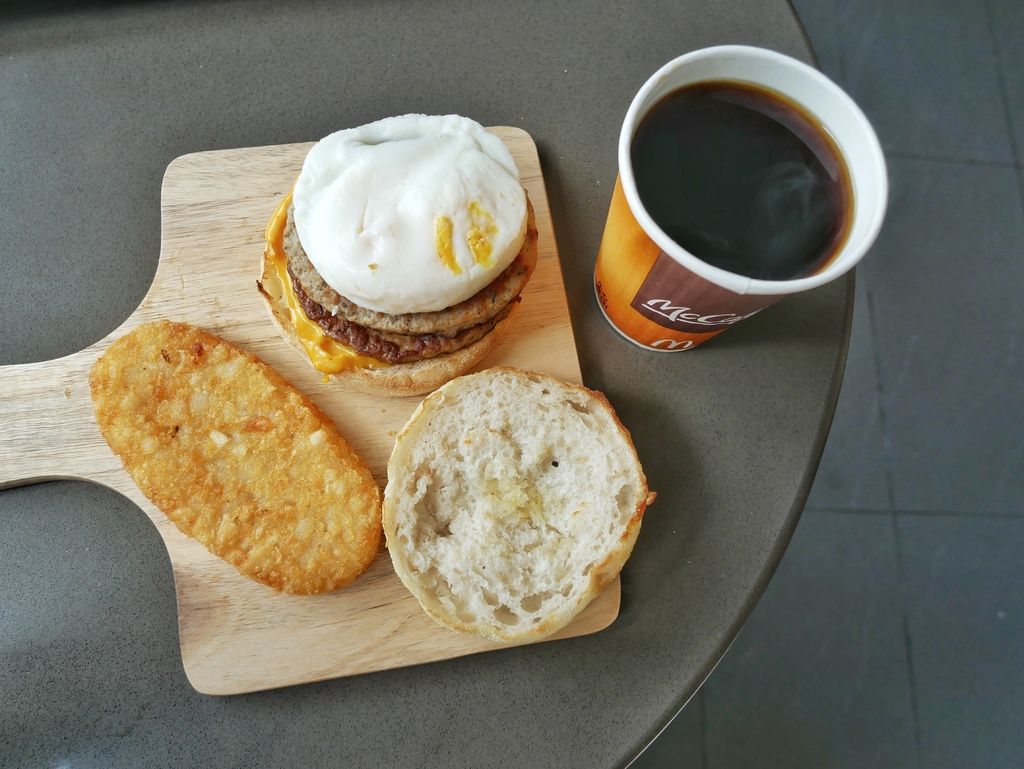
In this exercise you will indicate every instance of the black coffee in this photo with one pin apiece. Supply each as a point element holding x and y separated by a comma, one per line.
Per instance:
<point>743,179</point>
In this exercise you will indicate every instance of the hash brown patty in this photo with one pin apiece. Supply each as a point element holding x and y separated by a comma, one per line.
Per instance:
<point>237,458</point>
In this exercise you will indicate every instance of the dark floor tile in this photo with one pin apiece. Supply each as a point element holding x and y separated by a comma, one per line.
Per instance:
<point>852,469</point>
<point>946,282</point>
<point>818,677</point>
<point>1008,29</point>
<point>680,746</point>
<point>925,74</point>
<point>821,24</point>
<point>965,597</point>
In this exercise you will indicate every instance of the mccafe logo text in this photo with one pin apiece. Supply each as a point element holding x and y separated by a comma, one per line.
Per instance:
<point>680,300</point>
<point>687,315</point>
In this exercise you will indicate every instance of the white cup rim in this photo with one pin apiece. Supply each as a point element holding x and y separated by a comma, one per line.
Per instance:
<point>850,253</point>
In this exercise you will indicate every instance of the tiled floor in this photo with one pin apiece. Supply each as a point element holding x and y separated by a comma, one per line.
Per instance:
<point>893,633</point>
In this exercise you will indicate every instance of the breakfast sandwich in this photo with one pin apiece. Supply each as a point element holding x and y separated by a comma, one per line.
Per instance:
<point>400,253</point>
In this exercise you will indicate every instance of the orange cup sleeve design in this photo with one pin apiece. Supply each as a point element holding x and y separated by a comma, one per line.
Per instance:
<point>651,298</point>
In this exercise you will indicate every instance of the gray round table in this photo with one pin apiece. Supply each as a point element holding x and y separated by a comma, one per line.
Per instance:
<point>94,106</point>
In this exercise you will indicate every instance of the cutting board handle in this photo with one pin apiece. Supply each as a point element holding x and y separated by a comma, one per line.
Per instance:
<point>47,429</point>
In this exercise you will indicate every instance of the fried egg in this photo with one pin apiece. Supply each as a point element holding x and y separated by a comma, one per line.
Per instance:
<point>412,213</point>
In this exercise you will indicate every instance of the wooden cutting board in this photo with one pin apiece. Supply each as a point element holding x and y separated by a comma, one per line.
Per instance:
<point>237,635</point>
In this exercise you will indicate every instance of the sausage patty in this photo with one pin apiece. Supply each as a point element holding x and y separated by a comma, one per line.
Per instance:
<point>387,346</point>
<point>492,301</point>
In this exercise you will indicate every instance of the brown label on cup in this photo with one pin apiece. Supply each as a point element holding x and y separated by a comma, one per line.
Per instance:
<point>677,299</point>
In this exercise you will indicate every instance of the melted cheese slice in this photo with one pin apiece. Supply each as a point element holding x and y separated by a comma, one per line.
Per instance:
<point>327,354</point>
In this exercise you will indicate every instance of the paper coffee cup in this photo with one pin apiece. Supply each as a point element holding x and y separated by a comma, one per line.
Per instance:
<point>663,298</point>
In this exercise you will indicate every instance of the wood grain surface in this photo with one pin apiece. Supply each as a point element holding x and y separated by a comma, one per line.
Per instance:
<point>237,635</point>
